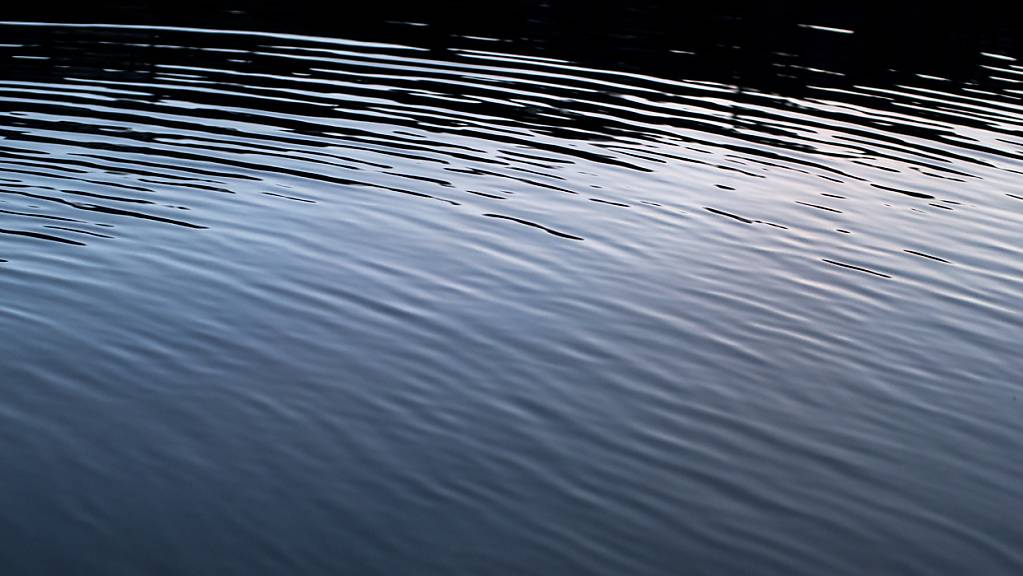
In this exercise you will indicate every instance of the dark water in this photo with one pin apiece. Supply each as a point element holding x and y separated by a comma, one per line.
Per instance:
<point>399,296</point>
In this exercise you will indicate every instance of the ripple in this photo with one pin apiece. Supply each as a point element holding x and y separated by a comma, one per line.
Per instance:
<point>289,294</point>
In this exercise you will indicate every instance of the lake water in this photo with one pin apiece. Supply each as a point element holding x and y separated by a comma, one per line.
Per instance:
<point>409,294</point>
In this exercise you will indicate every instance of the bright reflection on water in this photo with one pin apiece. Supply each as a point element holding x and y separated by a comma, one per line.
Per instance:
<point>290,304</point>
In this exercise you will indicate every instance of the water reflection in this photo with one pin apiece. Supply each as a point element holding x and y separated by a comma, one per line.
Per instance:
<point>435,300</point>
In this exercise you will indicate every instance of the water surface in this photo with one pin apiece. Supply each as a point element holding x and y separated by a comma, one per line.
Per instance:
<point>409,301</point>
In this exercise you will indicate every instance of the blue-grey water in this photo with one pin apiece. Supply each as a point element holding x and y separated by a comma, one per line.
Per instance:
<point>401,303</point>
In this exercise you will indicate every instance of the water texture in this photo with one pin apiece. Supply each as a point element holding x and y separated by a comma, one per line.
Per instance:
<point>284,303</point>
